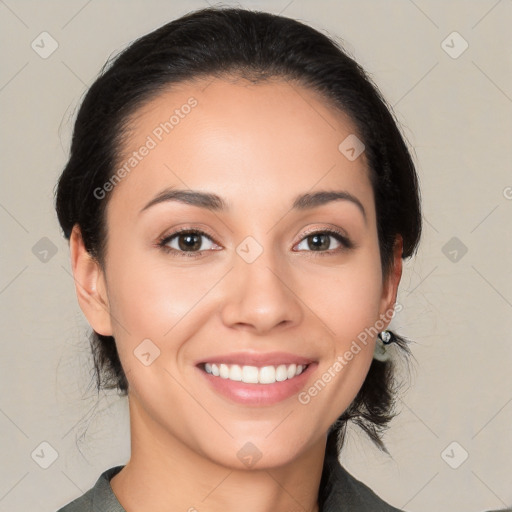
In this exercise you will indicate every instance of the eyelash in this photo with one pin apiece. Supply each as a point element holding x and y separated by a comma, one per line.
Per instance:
<point>338,235</point>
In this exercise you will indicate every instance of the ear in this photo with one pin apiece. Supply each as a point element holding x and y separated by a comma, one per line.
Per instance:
<point>90,285</point>
<point>390,286</point>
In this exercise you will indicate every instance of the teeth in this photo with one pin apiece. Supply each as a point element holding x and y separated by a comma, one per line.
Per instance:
<point>253,374</point>
<point>267,375</point>
<point>224,371</point>
<point>281,373</point>
<point>235,373</point>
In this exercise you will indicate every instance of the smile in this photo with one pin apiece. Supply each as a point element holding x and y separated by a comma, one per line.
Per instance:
<point>255,374</point>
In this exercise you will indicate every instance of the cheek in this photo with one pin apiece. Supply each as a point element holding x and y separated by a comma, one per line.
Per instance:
<point>150,299</point>
<point>348,300</point>
<point>349,305</point>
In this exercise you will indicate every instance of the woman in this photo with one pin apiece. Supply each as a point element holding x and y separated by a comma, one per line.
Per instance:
<point>238,201</point>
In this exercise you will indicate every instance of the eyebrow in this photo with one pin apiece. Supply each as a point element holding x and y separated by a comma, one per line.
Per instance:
<point>215,203</point>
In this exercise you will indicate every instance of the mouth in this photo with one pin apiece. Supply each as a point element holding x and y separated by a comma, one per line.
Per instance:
<point>269,374</point>
<point>256,379</point>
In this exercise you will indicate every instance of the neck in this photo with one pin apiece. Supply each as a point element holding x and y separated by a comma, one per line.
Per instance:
<point>163,471</point>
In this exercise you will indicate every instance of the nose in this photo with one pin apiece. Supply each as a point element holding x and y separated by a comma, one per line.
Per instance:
<point>260,296</point>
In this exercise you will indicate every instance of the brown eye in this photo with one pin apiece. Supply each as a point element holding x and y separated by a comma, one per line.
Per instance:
<point>323,241</point>
<point>189,241</point>
<point>319,242</point>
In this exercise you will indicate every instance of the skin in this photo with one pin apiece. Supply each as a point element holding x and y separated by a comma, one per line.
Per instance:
<point>258,146</point>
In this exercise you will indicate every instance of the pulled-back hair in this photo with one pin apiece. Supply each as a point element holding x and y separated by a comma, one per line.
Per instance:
<point>222,42</point>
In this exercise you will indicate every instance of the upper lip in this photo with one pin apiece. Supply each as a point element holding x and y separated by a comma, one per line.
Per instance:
<point>257,359</point>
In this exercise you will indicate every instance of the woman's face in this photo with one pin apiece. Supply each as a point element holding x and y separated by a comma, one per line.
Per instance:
<point>269,283</point>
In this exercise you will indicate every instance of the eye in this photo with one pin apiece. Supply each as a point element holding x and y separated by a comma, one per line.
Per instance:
<point>193,242</point>
<point>187,242</point>
<point>325,241</point>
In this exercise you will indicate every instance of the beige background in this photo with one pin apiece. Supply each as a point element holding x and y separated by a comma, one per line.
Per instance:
<point>456,112</point>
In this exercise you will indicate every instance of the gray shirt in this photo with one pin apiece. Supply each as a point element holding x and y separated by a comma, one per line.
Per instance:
<point>339,491</point>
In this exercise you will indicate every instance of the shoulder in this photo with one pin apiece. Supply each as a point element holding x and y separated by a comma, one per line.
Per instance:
<point>98,497</point>
<point>81,504</point>
<point>366,496</point>
<point>342,491</point>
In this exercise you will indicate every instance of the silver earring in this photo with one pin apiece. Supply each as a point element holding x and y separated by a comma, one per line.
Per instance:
<point>383,338</point>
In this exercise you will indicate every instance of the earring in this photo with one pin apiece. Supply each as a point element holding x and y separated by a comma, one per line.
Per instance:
<point>387,337</point>
<point>383,338</point>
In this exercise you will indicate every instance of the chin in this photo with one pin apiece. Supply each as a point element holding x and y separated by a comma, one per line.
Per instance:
<point>257,452</point>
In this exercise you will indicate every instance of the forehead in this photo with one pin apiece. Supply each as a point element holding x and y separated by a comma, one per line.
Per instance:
<point>252,143</point>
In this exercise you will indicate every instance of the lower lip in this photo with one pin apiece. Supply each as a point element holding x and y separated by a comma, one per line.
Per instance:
<point>258,394</point>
